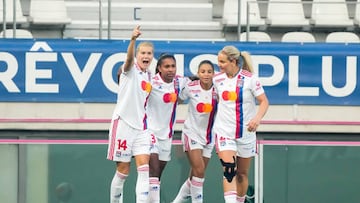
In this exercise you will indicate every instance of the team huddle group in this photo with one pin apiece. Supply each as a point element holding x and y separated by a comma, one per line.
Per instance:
<point>222,113</point>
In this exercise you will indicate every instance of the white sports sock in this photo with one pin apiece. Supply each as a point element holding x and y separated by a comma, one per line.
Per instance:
<point>116,188</point>
<point>196,189</point>
<point>240,199</point>
<point>142,184</point>
<point>154,190</point>
<point>184,192</point>
<point>230,196</point>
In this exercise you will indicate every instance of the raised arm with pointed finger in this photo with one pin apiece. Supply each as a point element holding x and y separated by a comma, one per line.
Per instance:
<point>128,135</point>
<point>131,49</point>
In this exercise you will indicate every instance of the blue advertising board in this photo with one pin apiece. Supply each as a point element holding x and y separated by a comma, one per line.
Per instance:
<point>85,70</point>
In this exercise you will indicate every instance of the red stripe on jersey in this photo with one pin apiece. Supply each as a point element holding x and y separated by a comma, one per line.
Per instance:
<point>212,116</point>
<point>173,114</point>
<point>145,116</point>
<point>238,108</point>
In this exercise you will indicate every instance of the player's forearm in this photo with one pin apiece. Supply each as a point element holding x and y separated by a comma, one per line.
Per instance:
<point>130,54</point>
<point>263,107</point>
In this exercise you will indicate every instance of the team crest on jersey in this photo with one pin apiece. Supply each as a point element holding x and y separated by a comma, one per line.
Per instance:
<point>222,141</point>
<point>240,82</point>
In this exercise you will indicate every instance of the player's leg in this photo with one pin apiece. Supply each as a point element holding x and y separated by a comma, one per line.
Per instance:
<point>246,149</point>
<point>119,150</point>
<point>142,157</point>
<point>207,153</point>
<point>158,151</point>
<point>197,178</point>
<point>226,150</point>
<point>142,181</point>
<point>196,152</point>
<point>117,183</point>
<point>242,172</point>
<point>184,193</point>
<point>154,170</point>
<point>228,162</point>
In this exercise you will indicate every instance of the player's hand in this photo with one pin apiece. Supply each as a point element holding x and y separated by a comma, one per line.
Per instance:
<point>136,32</point>
<point>253,125</point>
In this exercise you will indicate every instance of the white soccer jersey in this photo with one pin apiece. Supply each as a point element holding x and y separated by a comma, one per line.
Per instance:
<point>201,112</point>
<point>236,105</point>
<point>134,88</point>
<point>162,103</point>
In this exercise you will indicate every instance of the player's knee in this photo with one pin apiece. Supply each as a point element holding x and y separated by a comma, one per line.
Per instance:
<point>229,169</point>
<point>241,177</point>
<point>123,167</point>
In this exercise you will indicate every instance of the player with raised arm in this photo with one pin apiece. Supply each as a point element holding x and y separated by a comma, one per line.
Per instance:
<point>128,136</point>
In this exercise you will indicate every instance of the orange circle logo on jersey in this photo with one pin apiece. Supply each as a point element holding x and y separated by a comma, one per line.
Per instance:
<point>170,97</point>
<point>229,96</point>
<point>204,107</point>
<point>146,86</point>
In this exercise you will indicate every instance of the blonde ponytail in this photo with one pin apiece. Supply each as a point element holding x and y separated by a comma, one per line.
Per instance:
<point>247,65</point>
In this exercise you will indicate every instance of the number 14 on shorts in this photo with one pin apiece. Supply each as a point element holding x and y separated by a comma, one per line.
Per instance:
<point>121,144</point>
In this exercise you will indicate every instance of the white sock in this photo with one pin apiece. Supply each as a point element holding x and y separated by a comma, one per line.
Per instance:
<point>154,190</point>
<point>240,199</point>
<point>184,192</point>
<point>142,184</point>
<point>196,189</point>
<point>117,186</point>
<point>230,197</point>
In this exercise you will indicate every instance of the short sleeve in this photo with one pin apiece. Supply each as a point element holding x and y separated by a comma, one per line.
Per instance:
<point>256,86</point>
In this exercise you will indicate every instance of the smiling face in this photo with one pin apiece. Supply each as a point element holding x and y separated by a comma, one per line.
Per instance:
<point>167,69</point>
<point>225,65</point>
<point>144,55</point>
<point>206,73</point>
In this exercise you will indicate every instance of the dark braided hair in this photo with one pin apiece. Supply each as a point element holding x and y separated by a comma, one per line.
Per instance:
<point>161,59</point>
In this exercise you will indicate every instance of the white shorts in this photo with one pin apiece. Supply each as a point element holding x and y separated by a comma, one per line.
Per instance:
<point>189,144</point>
<point>125,141</point>
<point>161,147</point>
<point>245,147</point>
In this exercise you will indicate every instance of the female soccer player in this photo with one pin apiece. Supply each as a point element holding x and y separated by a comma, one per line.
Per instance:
<point>127,134</point>
<point>197,134</point>
<point>161,111</point>
<point>237,119</point>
